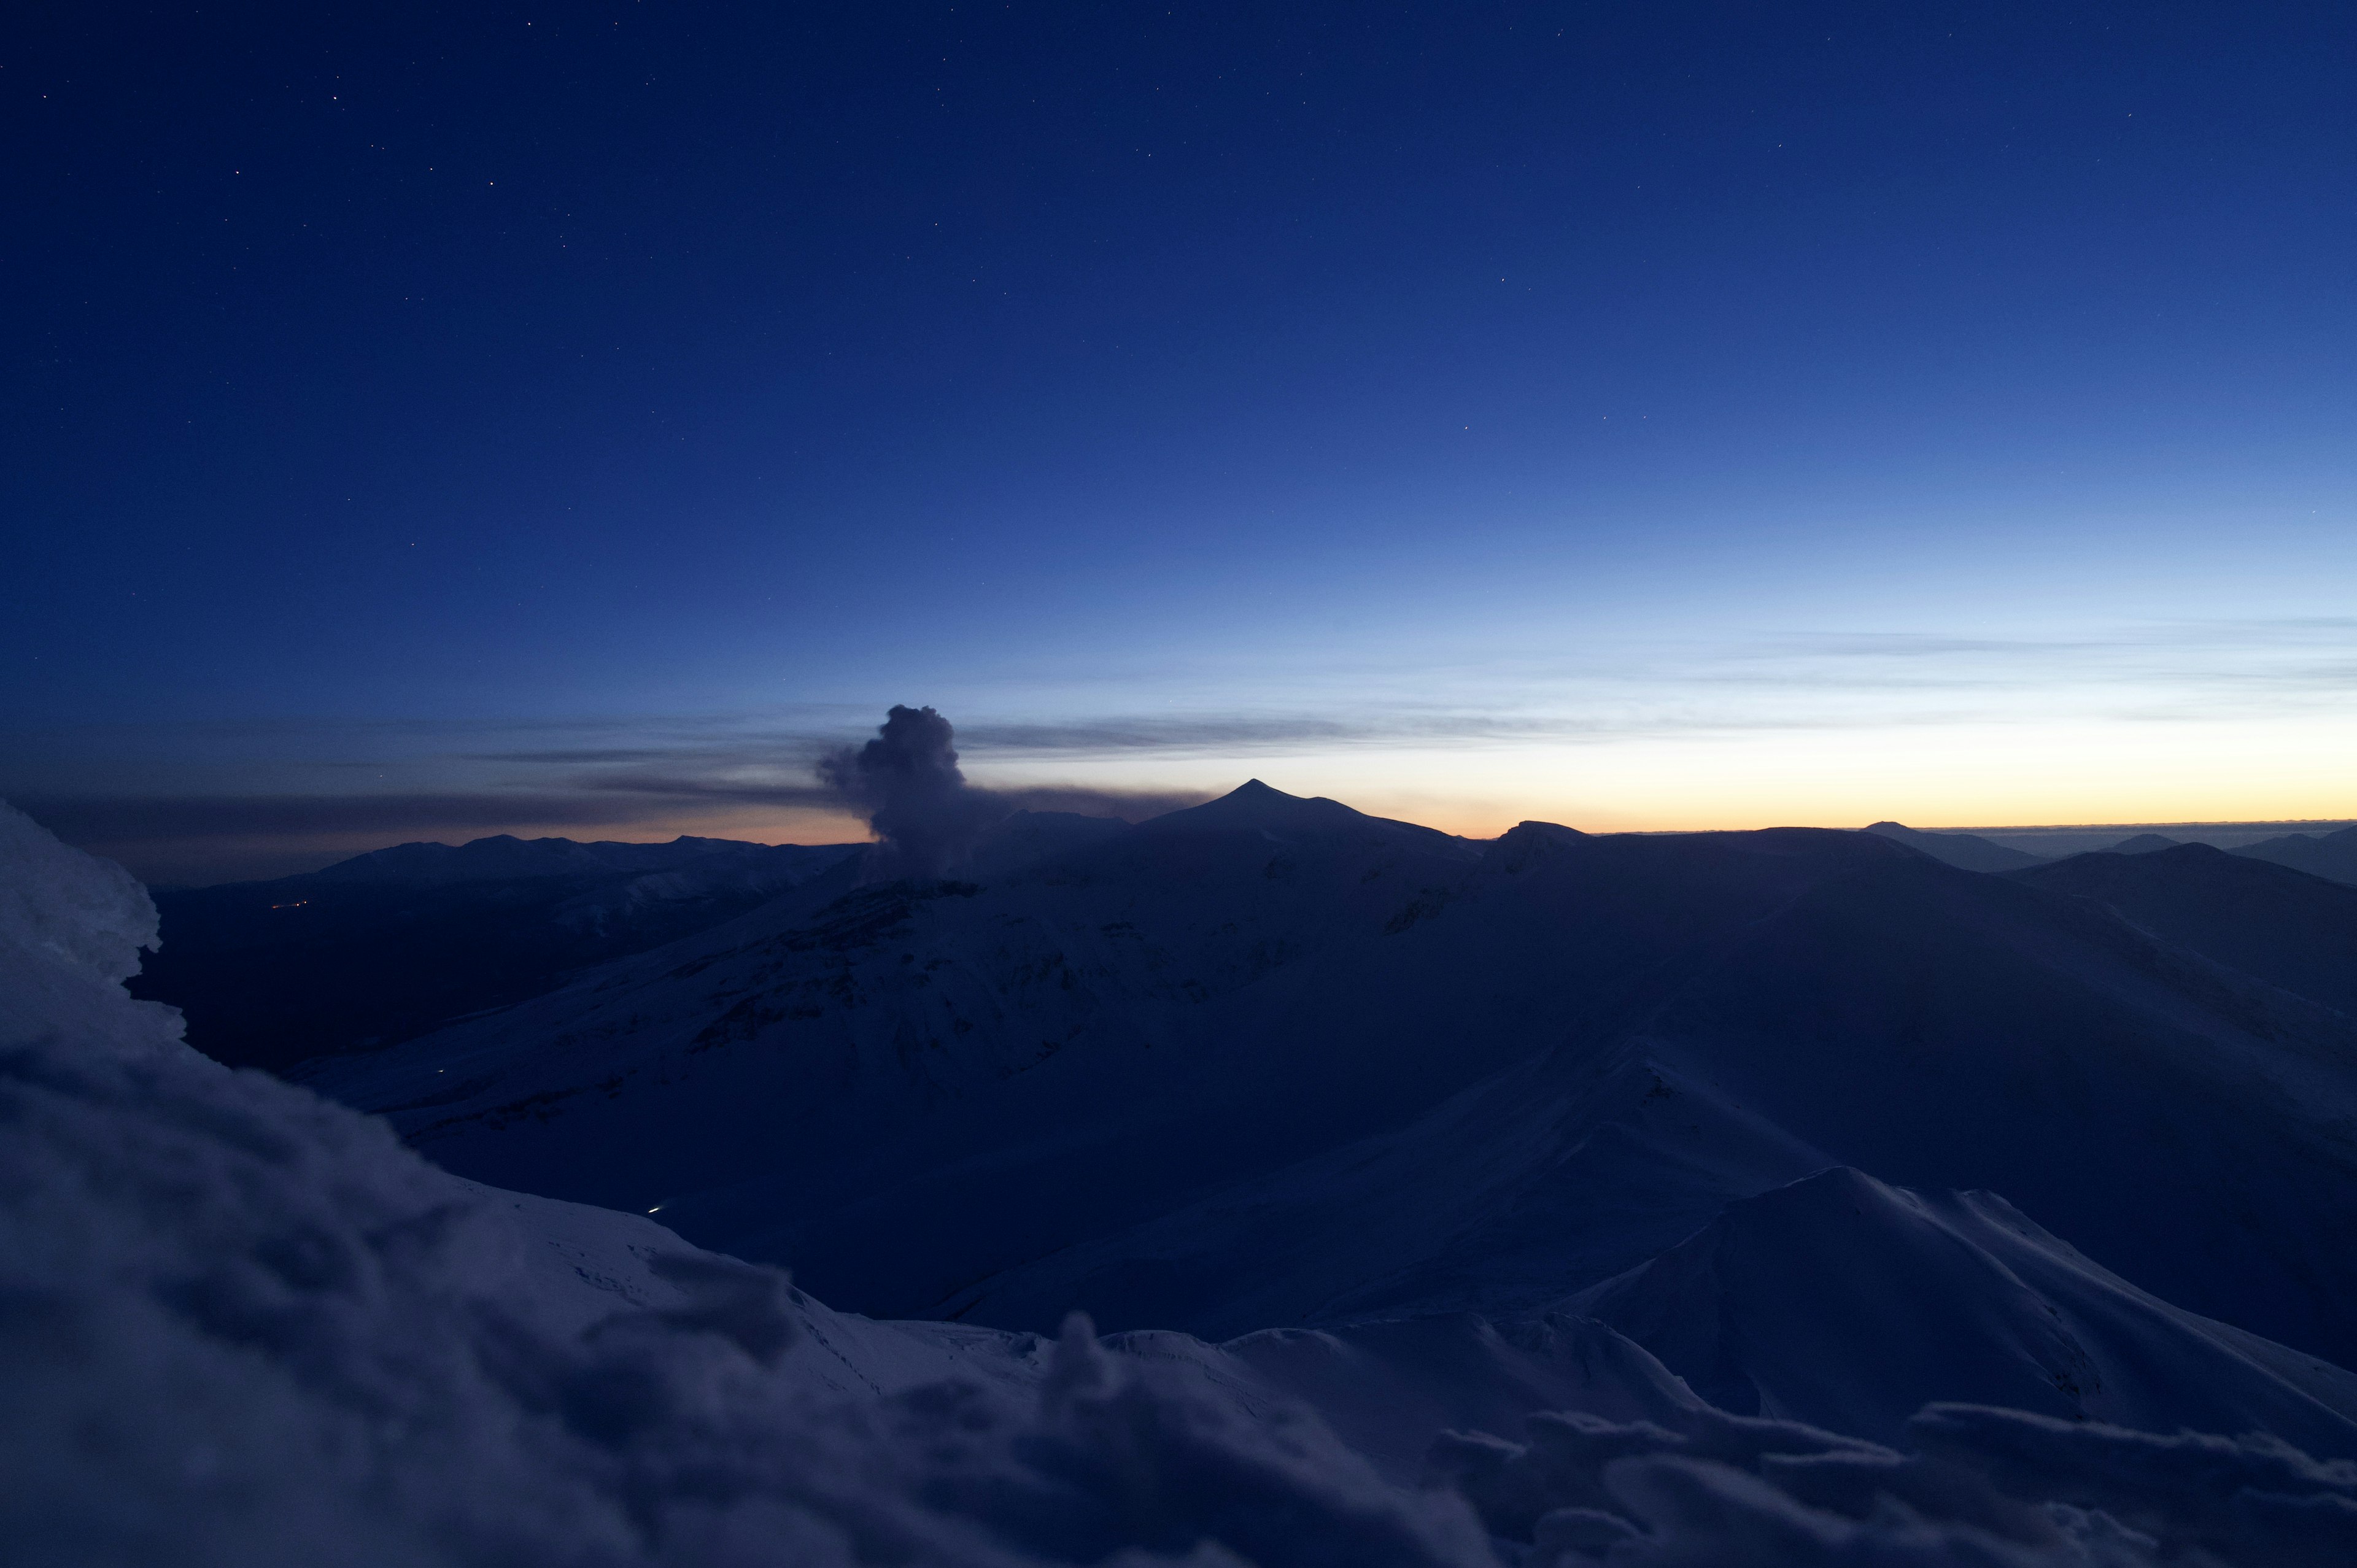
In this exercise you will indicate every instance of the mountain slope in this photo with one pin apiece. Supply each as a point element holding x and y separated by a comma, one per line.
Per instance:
<point>2285,926</point>
<point>1849,1304</point>
<point>1293,1065</point>
<point>390,944</point>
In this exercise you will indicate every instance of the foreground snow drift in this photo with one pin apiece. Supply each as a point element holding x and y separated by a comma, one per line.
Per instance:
<point>240,1324</point>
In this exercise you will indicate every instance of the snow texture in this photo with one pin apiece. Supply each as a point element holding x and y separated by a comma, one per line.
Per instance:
<point>71,930</point>
<point>1846,1303</point>
<point>240,1324</point>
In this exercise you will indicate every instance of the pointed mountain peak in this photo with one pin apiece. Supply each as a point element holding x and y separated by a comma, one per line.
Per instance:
<point>1256,807</point>
<point>1526,843</point>
<point>2144,843</point>
<point>1253,804</point>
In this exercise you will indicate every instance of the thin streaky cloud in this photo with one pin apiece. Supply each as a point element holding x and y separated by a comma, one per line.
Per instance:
<point>587,754</point>
<point>126,818</point>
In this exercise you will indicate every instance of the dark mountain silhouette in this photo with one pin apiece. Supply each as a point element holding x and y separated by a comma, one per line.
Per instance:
<point>2328,855</point>
<point>2282,926</point>
<point>504,857</point>
<point>2142,843</point>
<point>1271,1061</point>
<point>1255,808</point>
<point>1969,852</point>
<point>388,945</point>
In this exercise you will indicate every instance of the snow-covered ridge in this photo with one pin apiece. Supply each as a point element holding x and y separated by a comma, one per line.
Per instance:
<point>1271,1061</point>
<point>240,1324</point>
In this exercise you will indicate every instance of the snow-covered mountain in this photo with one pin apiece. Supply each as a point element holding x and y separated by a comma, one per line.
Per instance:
<point>2285,926</point>
<point>1847,1304</point>
<point>388,945</point>
<point>242,1324</point>
<point>1270,1061</point>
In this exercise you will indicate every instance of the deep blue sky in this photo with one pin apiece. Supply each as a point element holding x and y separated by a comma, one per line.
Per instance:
<point>431,421</point>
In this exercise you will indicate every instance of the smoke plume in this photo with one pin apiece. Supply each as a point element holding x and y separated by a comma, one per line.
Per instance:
<point>908,783</point>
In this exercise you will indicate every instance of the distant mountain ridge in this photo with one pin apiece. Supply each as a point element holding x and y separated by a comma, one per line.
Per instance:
<point>1274,1060</point>
<point>389,944</point>
<point>504,857</point>
<point>1968,851</point>
<point>2332,855</point>
<point>2143,843</point>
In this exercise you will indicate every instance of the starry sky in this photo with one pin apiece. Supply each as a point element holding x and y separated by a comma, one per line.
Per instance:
<point>440,421</point>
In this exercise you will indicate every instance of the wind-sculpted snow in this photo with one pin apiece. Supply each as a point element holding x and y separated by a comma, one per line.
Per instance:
<point>72,928</point>
<point>239,1325</point>
<point>242,1325</point>
<point>1984,1487</point>
<point>2254,1498</point>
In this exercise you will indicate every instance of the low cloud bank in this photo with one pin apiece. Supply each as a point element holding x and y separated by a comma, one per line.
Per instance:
<point>905,783</point>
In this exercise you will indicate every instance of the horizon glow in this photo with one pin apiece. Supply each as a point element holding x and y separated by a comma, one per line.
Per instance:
<point>1647,422</point>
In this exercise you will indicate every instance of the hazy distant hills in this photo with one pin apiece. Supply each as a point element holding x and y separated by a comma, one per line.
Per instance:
<point>2329,854</point>
<point>1273,1061</point>
<point>2143,843</point>
<point>387,945</point>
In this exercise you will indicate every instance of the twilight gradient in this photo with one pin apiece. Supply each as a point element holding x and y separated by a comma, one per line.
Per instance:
<point>1657,416</point>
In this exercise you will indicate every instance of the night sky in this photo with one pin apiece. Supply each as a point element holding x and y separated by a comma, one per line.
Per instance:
<point>436,421</point>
